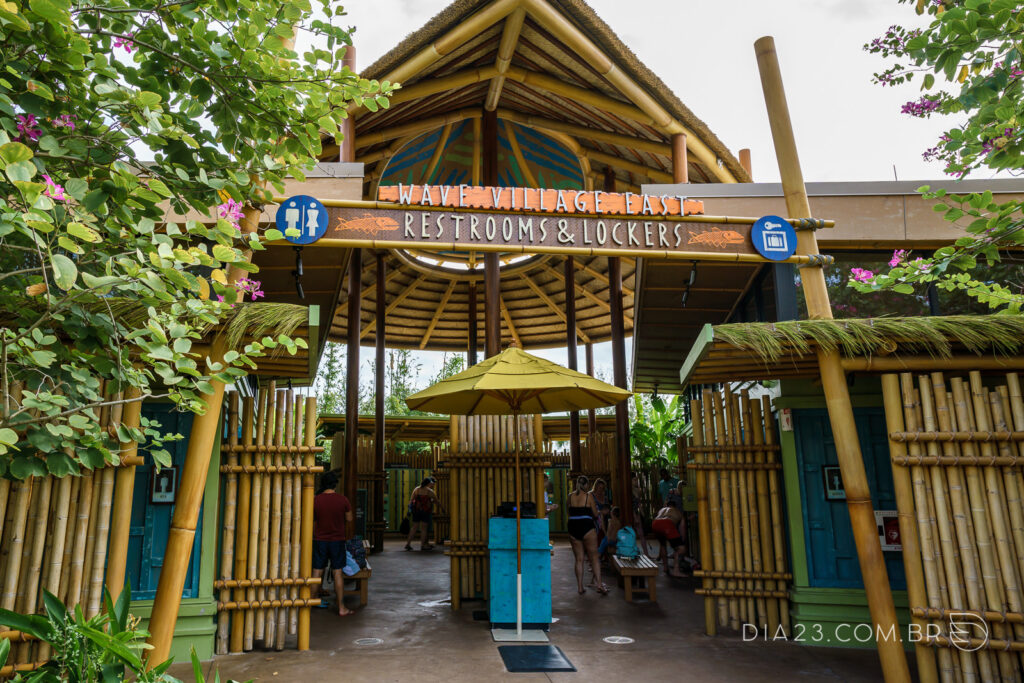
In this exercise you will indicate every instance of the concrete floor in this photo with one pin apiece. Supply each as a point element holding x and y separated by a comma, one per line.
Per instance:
<point>424,640</point>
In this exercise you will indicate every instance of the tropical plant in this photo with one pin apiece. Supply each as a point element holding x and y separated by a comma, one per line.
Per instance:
<point>970,60</point>
<point>102,648</point>
<point>654,429</point>
<point>122,121</point>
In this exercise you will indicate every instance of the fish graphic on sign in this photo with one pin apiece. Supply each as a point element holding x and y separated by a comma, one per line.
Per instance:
<point>715,237</point>
<point>367,224</point>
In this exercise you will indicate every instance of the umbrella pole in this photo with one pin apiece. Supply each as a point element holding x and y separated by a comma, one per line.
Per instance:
<point>519,541</point>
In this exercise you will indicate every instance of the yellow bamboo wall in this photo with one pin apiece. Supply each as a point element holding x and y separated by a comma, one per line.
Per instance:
<point>54,535</point>
<point>267,477</point>
<point>957,446</point>
<point>740,513</point>
<point>481,467</point>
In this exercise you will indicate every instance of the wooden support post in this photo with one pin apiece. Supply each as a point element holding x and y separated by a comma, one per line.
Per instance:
<point>474,344</point>
<point>609,179</point>
<point>378,418</point>
<point>306,542</point>
<point>591,414</point>
<point>837,395</point>
<point>680,166</point>
<point>355,286</point>
<point>625,494</point>
<point>489,147</point>
<point>347,144</point>
<point>492,304</point>
<point>570,345</point>
<point>745,162</point>
<point>121,516</point>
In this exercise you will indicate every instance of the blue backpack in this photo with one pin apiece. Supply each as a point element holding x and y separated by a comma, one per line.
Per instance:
<point>625,543</point>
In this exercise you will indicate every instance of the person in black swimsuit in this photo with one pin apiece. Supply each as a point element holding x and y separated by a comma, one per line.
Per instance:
<point>583,533</point>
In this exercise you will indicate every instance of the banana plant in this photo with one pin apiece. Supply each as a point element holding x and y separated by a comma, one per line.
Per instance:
<point>656,424</point>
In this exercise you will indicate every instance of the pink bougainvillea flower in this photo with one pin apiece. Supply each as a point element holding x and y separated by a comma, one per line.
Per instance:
<point>861,274</point>
<point>53,190</point>
<point>124,42</point>
<point>251,287</point>
<point>231,210</point>
<point>897,257</point>
<point>921,107</point>
<point>28,126</point>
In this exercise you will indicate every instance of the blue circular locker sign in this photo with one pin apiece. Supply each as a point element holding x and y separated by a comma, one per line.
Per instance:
<point>305,214</point>
<point>774,238</point>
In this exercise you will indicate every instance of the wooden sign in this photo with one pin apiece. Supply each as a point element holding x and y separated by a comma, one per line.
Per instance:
<point>423,226</point>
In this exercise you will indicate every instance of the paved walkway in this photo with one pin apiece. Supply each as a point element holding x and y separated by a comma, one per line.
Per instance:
<point>424,640</point>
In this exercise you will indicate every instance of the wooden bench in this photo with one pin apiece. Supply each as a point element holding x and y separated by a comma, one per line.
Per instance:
<point>638,575</point>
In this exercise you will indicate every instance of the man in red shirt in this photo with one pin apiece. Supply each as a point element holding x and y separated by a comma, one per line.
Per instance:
<point>331,511</point>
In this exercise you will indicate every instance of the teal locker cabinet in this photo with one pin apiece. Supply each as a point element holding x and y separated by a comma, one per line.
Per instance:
<point>536,572</point>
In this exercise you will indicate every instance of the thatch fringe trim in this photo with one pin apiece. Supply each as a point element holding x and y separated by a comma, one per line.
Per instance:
<point>934,335</point>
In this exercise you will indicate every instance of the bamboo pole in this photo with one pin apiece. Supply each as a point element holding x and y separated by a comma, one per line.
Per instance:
<point>982,529</point>
<point>837,396</point>
<point>263,542</point>
<point>14,545</point>
<point>270,633</point>
<point>717,551</point>
<point>257,504</point>
<point>102,524</point>
<point>84,502</point>
<point>299,412</point>
<point>764,514</point>
<point>703,518</point>
<point>754,504</point>
<point>775,498</point>
<point>286,524</point>
<point>961,520</point>
<point>124,487</point>
<point>728,510</point>
<point>894,398</point>
<point>744,522</point>
<point>42,491</point>
<point>69,542</point>
<point>228,521</point>
<point>57,541</point>
<point>240,617</point>
<point>306,554</point>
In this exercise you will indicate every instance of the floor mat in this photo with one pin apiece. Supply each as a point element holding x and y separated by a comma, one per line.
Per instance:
<point>534,658</point>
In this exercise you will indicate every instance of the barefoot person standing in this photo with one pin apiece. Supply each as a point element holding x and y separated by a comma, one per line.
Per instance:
<point>583,534</point>
<point>331,511</point>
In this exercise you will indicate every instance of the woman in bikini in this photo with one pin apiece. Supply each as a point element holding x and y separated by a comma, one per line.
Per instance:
<point>583,533</point>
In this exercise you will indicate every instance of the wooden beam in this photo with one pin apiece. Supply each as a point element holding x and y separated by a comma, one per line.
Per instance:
<point>508,321</point>
<point>433,86</point>
<point>622,465</point>
<point>379,418</point>
<point>471,320</point>
<point>571,342</point>
<point>492,305</point>
<point>554,307</point>
<point>355,283</point>
<point>437,314</point>
<point>583,290</point>
<point>347,130</point>
<point>588,133</point>
<point>601,276</point>
<point>392,306</point>
<point>518,154</point>
<point>418,126</point>
<point>435,159</point>
<point>506,48</point>
<point>477,151</point>
<point>680,166</point>
<point>631,166</point>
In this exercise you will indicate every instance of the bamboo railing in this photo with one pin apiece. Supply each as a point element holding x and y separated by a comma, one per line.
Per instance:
<point>740,513</point>
<point>481,467</point>
<point>266,521</point>
<point>957,449</point>
<point>55,533</point>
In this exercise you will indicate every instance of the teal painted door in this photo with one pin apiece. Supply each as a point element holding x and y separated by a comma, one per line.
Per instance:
<point>831,554</point>
<point>151,522</point>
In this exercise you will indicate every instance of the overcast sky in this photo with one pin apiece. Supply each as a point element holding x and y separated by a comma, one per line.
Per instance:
<point>846,127</point>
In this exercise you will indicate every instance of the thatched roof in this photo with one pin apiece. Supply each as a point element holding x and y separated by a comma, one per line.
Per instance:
<point>754,351</point>
<point>539,51</point>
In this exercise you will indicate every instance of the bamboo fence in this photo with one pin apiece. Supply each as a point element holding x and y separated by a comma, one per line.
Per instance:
<point>957,448</point>
<point>482,476</point>
<point>55,533</point>
<point>740,513</point>
<point>266,521</point>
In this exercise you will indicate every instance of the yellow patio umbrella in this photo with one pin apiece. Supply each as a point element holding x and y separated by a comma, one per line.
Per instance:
<point>516,383</point>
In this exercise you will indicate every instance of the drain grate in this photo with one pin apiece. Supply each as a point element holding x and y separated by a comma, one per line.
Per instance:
<point>619,640</point>
<point>368,641</point>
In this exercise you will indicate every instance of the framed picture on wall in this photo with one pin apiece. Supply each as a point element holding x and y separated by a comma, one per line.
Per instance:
<point>833,483</point>
<point>163,485</point>
<point>888,522</point>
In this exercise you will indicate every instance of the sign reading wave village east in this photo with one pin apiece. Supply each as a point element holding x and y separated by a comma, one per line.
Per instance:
<point>523,218</point>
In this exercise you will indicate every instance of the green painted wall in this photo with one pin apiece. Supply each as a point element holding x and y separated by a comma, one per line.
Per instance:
<point>197,619</point>
<point>817,612</point>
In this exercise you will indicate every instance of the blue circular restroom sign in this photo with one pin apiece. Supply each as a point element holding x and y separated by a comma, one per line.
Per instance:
<point>305,214</point>
<point>774,238</point>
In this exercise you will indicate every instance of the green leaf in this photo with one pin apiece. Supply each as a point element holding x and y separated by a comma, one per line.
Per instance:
<point>8,436</point>
<point>22,171</point>
<point>83,232</point>
<point>14,152</point>
<point>65,272</point>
